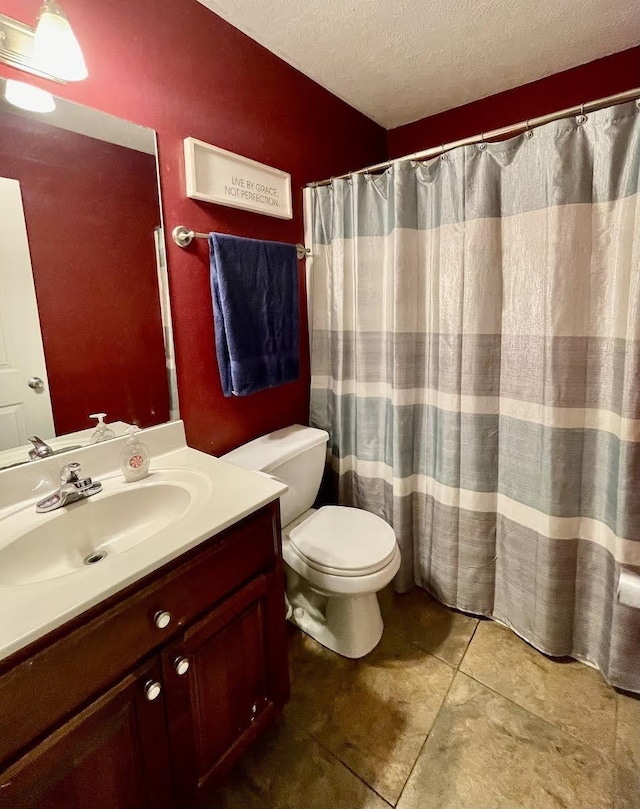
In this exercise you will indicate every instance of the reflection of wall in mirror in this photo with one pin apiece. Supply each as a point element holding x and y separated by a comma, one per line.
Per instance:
<point>91,209</point>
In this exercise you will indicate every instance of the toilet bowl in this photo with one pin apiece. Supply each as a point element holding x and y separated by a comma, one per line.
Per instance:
<point>336,558</point>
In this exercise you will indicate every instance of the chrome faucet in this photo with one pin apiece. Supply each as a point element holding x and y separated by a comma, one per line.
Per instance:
<point>72,487</point>
<point>40,448</point>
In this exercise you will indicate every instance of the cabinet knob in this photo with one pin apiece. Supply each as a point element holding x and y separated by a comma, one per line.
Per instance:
<point>181,665</point>
<point>152,690</point>
<point>162,619</point>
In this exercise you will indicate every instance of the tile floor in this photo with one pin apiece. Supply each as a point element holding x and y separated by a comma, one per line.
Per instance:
<point>448,712</point>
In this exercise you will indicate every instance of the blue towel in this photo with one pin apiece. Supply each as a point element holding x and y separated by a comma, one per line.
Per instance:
<point>254,287</point>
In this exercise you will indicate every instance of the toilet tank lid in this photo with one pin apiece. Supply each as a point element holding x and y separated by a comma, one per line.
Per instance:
<point>264,453</point>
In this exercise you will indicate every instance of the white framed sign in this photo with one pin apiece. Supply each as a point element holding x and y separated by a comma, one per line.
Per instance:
<point>216,175</point>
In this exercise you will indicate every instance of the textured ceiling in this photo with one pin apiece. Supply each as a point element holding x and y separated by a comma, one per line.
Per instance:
<point>399,60</point>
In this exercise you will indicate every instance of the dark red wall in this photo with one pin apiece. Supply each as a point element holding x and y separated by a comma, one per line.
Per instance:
<point>94,269</point>
<point>180,69</point>
<point>603,77</point>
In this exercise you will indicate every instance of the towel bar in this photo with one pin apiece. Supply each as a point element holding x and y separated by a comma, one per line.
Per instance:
<point>183,237</point>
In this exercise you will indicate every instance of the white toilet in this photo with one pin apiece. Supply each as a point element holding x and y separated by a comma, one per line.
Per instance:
<point>337,558</point>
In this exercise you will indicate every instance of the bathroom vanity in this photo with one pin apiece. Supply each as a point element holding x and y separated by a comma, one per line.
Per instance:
<point>138,680</point>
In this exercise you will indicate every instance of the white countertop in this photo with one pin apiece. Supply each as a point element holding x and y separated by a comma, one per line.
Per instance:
<point>29,611</point>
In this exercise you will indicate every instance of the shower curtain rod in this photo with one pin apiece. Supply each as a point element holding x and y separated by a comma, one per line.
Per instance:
<point>522,126</point>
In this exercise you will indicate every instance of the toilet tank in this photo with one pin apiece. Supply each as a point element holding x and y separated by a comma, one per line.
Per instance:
<point>296,455</point>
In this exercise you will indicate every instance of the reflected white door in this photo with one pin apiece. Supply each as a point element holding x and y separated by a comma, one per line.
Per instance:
<point>24,410</point>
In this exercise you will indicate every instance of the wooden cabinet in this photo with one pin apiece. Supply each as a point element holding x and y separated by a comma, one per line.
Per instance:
<point>230,689</point>
<point>112,754</point>
<point>157,713</point>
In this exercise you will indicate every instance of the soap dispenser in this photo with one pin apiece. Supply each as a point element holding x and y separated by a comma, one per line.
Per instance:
<point>102,432</point>
<point>135,457</point>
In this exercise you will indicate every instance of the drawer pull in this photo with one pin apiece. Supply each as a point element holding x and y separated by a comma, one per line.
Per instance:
<point>152,690</point>
<point>162,619</point>
<point>181,665</point>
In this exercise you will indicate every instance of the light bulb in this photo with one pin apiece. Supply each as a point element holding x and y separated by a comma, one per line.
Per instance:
<point>55,48</point>
<point>28,97</point>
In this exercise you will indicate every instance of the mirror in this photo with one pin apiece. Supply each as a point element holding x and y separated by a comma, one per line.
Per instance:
<point>85,325</point>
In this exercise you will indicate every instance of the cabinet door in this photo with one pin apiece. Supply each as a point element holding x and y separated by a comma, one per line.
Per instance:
<point>112,755</point>
<point>236,679</point>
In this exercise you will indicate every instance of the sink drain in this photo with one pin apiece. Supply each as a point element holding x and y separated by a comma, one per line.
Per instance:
<point>94,558</point>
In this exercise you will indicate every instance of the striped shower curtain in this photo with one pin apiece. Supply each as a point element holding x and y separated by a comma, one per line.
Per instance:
<point>475,344</point>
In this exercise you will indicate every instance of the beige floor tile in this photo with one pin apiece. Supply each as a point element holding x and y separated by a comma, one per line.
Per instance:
<point>287,769</point>
<point>486,752</point>
<point>628,753</point>
<point>417,616</point>
<point>373,714</point>
<point>568,694</point>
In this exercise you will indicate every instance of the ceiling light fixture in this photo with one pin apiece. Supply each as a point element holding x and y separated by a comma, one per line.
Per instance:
<point>28,97</point>
<point>51,50</point>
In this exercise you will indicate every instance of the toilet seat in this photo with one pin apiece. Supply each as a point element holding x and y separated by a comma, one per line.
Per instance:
<point>343,541</point>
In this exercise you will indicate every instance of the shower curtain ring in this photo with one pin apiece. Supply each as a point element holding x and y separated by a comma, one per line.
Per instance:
<point>582,118</point>
<point>528,133</point>
<point>482,145</point>
<point>443,154</point>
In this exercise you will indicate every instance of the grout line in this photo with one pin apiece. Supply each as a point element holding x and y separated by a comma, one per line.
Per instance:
<point>615,772</point>
<point>456,670</point>
<point>415,645</point>
<point>435,719</point>
<point>561,728</point>
<point>466,648</point>
<point>344,764</point>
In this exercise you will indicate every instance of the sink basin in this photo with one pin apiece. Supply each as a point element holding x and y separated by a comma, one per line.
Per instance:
<point>83,534</point>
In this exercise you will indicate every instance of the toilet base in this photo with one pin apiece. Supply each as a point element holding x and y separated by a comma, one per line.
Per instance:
<point>349,625</point>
